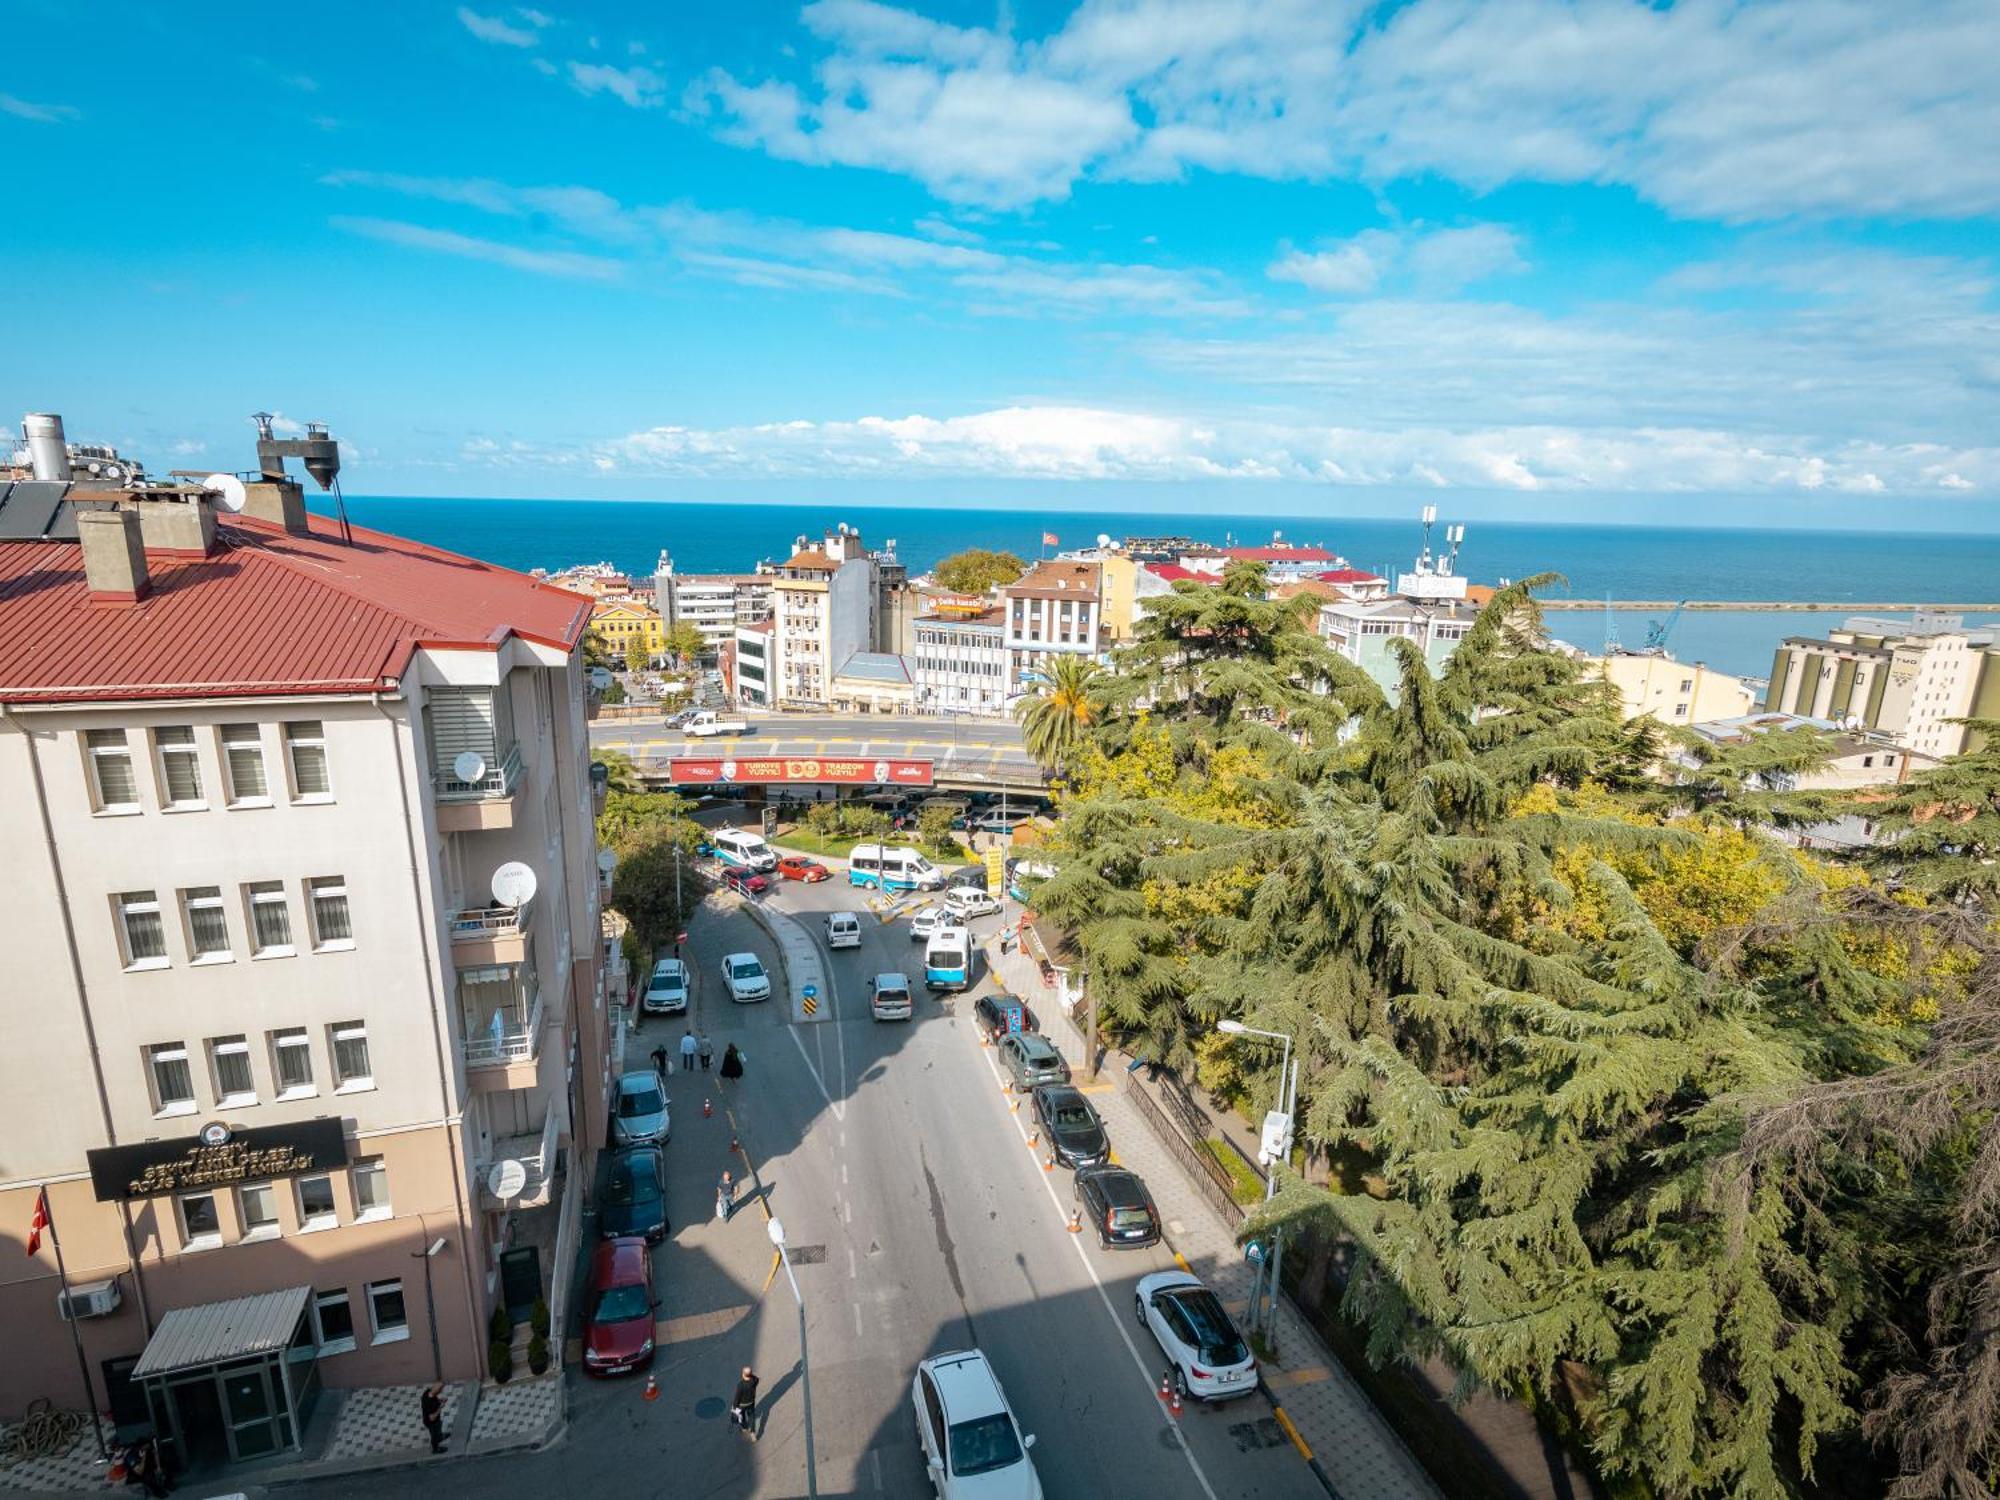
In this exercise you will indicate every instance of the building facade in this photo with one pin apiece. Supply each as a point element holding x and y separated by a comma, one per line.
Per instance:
<point>1361,632</point>
<point>307,965</point>
<point>714,603</point>
<point>616,623</point>
<point>1907,679</point>
<point>749,668</point>
<point>958,662</point>
<point>1671,691</point>
<point>824,601</point>
<point>873,682</point>
<point>1055,608</point>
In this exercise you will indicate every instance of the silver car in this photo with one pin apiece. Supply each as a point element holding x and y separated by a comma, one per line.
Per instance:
<point>639,1110</point>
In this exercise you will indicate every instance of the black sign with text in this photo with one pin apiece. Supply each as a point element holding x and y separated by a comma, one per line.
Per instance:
<point>244,1156</point>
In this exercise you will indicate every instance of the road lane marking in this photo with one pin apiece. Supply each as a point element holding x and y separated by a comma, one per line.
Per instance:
<point>806,1058</point>
<point>1310,1375</point>
<point>853,1265</point>
<point>843,1174</point>
<point>1076,1244</point>
<point>857,1318</point>
<point>875,1461</point>
<point>1181,1261</point>
<point>1285,1421</point>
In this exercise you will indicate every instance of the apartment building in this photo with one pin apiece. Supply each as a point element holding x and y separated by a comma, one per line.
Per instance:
<point>716,604</point>
<point>747,674</point>
<point>1908,679</point>
<point>1054,608</point>
<point>825,600</point>
<point>1361,632</point>
<point>958,661</point>
<point>305,957</point>
<point>1673,692</point>
<point>616,623</point>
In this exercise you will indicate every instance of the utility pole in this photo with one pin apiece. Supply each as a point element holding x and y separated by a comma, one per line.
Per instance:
<point>776,1230</point>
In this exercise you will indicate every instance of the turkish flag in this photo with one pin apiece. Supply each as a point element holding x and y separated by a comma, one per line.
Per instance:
<point>37,1224</point>
<point>1050,539</point>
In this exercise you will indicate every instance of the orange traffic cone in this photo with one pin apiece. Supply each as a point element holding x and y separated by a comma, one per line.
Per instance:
<point>1166,1391</point>
<point>1076,1221</point>
<point>707,1110</point>
<point>1049,1162</point>
<point>735,1144</point>
<point>1174,1399</point>
<point>652,1392</point>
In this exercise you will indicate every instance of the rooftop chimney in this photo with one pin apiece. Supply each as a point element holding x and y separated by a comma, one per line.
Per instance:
<point>114,553</point>
<point>281,501</point>
<point>176,522</point>
<point>48,451</point>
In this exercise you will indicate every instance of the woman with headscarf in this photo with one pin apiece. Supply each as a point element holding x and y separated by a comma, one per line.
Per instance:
<point>732,1062</point>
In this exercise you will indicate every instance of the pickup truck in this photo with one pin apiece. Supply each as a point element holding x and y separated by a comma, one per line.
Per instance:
<point>706,723</point>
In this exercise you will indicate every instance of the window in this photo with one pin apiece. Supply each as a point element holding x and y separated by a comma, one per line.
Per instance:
<point>180,767</point>
<point>243,752</point>
<point>385,1311</point>
<point>331,928</point>
<point>351,1069</point>
<point>305,744</point>
<point>257,1205</point>
<point>229,1059</point>
<point>173,1083</point>
<point>207,926</point>
<point>1680,710</point>
<point>292,1063</point>
<point>335,1316</point>
<point>371,1189</point>
<point>201,1226</point>
<point>1867,761</point>
<point>114,785</point>
<point>1687,684</point>
<point>270,919</point>
<point>316,1202</point>
<point>145,936</point>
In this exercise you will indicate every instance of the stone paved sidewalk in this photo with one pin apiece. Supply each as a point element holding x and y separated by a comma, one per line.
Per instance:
<point>1359,1454</point>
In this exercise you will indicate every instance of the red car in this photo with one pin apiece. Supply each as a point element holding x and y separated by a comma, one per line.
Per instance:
<point>745,882</point>
<point>798,867</point>
<point>618,1321</point>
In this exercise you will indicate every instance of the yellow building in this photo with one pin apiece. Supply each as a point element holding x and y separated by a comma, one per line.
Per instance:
<point>615,622</point>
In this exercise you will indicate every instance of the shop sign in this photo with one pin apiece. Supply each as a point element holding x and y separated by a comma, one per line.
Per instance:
<point>794,769</point>
<point>216,1157</point>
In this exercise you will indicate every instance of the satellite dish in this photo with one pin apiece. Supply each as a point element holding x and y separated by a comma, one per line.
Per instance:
<point>1103,539</point>
<point>228,491</point>
<point>507,1178</point>
<point>514,884</point>
<point>470,766</point>
<point>607,861</point>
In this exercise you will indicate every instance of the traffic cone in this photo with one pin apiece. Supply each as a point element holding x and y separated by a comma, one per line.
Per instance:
<point>1174,1399</point>
<point>734,1144</point>
<point>1034,1139</point>
<point>1049,1162</point>
<point>1014,1108</point>
<point>652,1388</point>
<point>1166,1390</point>
<point>1076,1221</point>
<point>707,1110</point>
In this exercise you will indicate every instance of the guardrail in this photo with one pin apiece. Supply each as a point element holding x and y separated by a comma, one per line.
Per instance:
<point>1209,1174</point>
<point>497,782</point>
<point>488,921</point>
<point>507,1045</point>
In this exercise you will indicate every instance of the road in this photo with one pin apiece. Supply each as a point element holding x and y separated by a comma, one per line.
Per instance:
<point>971,751</point>
<point>891,1154</point>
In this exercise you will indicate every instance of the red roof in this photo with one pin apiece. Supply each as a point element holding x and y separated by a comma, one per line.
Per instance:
<point>266,613</point>
<point>1282,552</point>
<point>1175,573</point>
<point>1349,575</point>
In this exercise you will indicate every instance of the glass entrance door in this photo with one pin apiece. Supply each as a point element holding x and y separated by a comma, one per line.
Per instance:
<point>251,1408</point>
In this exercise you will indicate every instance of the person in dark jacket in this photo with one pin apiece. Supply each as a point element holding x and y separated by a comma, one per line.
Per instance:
<point>743,1407</point>
<point>732,1062</point>
<point>432,1407</point>
<point>660,1061</point>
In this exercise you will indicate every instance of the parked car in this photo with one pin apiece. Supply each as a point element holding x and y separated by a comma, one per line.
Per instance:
<point>667,991</point>
<point>1029,1060</point>
<point>639,1110</point>
<point>743,974</point>
<point>889,997</point>
<point>925,921</point>
<point>990,1012</point>
<point>965,903</point>
<point>1071,1126</point>
<point>798,867</point>
<point>744,882</point>
<point>972,1445</point>
<point>618,1308</point>
<point>634,1200</point>
<point>1116,1204</point>
<point>971,876</point>
<point>998,822</point>
<point>1210,1360</point>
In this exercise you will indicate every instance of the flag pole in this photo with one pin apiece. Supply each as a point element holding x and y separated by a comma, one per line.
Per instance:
<point>76,1339</point>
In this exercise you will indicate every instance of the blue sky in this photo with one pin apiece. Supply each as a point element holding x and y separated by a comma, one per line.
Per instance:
<point>1700,262</point>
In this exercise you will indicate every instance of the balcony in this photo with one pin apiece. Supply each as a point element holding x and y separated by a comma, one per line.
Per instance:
<point>467,806</point>
<point>502,1041</point>
<point>536,1152</point>
<point>490,935</point>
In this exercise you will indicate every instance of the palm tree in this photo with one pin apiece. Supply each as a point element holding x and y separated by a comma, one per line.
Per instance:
<point>1056,721</point>
<point>620,775</point>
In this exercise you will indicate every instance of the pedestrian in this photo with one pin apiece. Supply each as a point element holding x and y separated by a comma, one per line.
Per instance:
<point>707,1051</point>
<point>145,1468</point>
<point>743,1408</point>
<point>732,1062</point>
<point>725,1195</point>
<point>660,1061</point>
<point>432,1407</point>
<point>689,1046</point>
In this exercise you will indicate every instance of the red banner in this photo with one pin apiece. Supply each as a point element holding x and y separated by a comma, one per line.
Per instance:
<point>780,769</point>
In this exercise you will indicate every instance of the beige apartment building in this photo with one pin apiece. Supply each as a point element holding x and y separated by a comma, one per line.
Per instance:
<point>1055,608</point>
<point>824,610</point>
<point>305,975</point>
<point>1908,679</point>
<point>1673,692</point>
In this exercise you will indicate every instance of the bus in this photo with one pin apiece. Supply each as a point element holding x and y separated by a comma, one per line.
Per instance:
<point>948,959</point>
<point>892,869</point>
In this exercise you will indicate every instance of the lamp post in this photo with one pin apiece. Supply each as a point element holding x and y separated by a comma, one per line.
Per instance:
<point>1287,1101</point>
<point>776,1229</point>
<point>435,1248</point>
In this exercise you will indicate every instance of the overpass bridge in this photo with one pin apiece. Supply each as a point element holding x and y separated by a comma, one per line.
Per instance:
<point>968,755</point>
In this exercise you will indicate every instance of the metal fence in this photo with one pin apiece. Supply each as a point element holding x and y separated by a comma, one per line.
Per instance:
<point>1209,1174</point>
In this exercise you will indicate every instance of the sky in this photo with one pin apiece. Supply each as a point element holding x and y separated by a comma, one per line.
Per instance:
<point>1727,263</point>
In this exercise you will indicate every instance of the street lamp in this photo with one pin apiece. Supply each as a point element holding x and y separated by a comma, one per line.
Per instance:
<point>776,1229</point>
<point>430,1304</point>
<point>1288,1089</point>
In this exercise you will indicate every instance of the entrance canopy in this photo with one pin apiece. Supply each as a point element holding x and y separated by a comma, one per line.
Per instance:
<point>192,1338</point>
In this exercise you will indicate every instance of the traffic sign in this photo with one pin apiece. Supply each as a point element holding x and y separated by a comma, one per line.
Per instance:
<point>680,937</point>
<point>809,990</point>
<point>809,1005</point>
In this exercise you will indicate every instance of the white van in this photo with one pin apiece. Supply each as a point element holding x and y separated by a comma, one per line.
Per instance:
<point>744,850</point>
<point>843,930</point>
<point>892,869</point>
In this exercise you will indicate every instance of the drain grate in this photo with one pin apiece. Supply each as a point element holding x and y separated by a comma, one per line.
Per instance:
<point>806,1255</point>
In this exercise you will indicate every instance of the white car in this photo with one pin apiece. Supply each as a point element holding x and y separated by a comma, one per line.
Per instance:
<point>1211,1362</point>
<point>743,974</point>
<point>967,902</point>
<point>926,921</point>
<point>971,1443</point>
<point>999,822</point>
<point>889,997</point>
<point>667,991</point>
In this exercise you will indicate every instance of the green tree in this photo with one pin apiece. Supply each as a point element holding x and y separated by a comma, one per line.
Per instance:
<point>684,643</point>
<point>1939,832</point>
<point>615,693</point>
<point>934,828</point>
<point>977,570</point>
<point>1057,719</point>
<point>635,652</point>
<point>620,774</point>
<point>636,820</point>
<point>648,891</point>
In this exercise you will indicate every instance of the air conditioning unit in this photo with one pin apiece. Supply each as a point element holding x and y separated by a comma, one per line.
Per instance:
<point>93,1299</point>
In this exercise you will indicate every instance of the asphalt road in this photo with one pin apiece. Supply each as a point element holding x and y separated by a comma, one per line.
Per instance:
<point>891,1155</point>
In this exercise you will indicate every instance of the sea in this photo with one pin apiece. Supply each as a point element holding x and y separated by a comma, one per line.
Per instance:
<point>1595,562</point>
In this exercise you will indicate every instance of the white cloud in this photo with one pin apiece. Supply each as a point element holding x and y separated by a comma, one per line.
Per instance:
<point>1346,269</point>
<point>1728,111</point>
<point>567,264</point>
<point>1447,259</point>
<point>493,29</point>
<point>1435,260</point>
<point>640,87</point>
<point>41,114</point>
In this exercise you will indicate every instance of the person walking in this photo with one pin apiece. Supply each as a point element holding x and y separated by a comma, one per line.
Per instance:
<point>660,1061</point>
<point>707,1052</point>
<point>725,1195</point>
<point>432,1407</point>
<point>743,1407</point>
<point>689,1046</point>
<point>732,1062</point>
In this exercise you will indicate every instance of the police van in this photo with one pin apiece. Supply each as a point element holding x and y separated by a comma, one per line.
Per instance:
<point>889,868</point>
<point>948,959</point>
<point>743,850</point>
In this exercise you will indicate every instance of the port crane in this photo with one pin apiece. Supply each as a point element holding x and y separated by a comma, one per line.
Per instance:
<point>1657,631</point>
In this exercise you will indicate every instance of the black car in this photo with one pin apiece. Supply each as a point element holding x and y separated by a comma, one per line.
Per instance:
<point>990,1011</point>
<point>1116,1204</point>
<point>973,877</point>
<point>634,1200</point>
<point>1071,1126</point>
<point>1028,1060</point>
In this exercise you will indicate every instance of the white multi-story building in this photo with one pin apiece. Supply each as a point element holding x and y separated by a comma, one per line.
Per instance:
<point>750,667</point>
<point>714,603</point>
<point>1908,679</point>
<point>825,600</point>
<point>1053,609</point>
<point>304,959</point>
<point>958,662</point>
